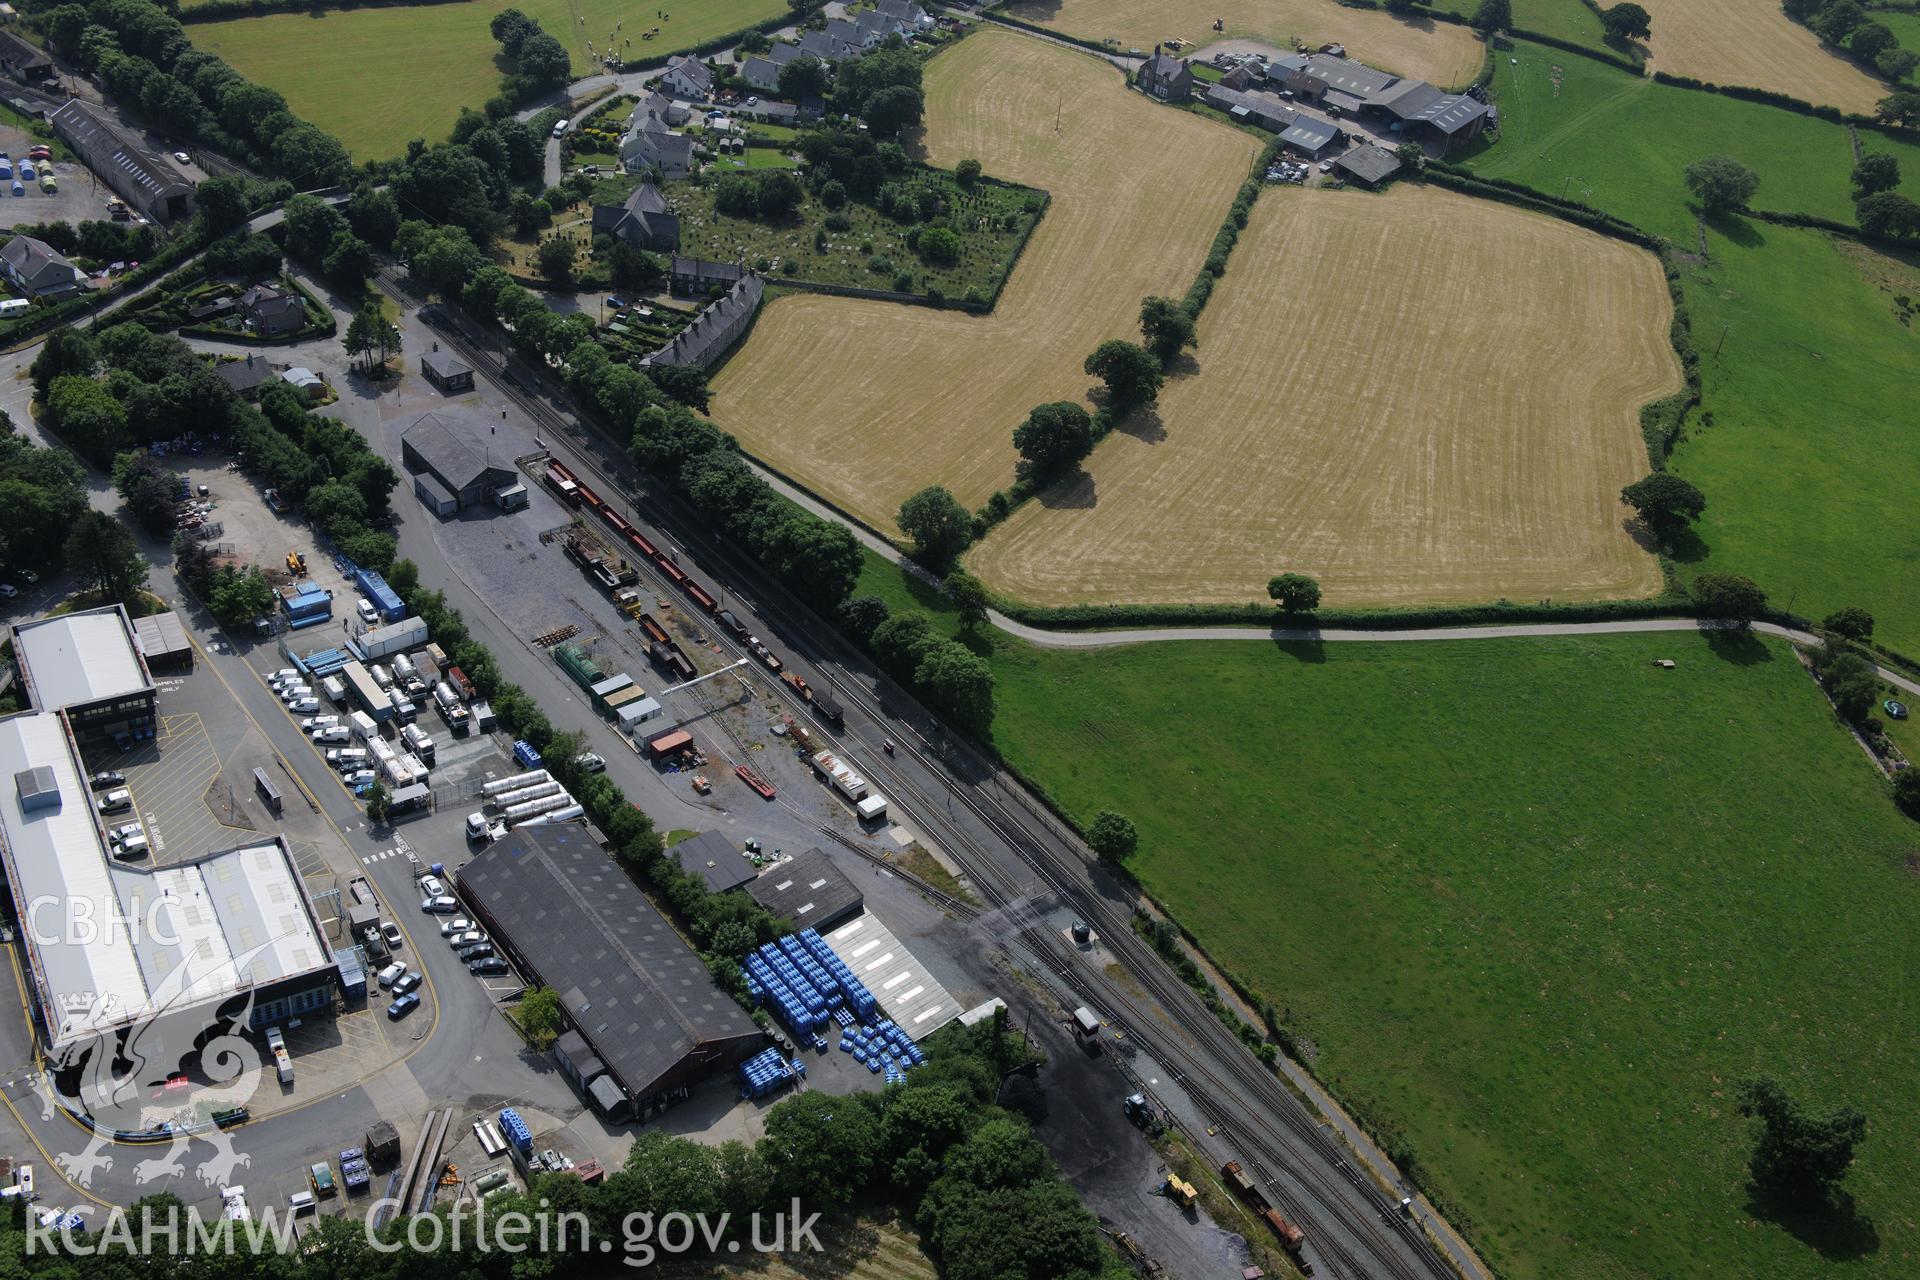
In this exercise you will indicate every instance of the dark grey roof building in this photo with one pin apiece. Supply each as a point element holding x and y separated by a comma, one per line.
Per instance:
<point>246,376</point>
<point>698,275</point>
<point>689,78</point>
<point>37,269</point>
<point>1451,120</point>
<point>641,220</point>
<point>1165,77</point>
<point>781,53</point>
<point>715,859</point>
<point>1368,165</point>
<point>24,61</point>
<point>449,472</point>
<point>1310,137</point>
<point>762,73</point>
<point>1263,109</point>
<point>715,330</point>
<point>810,891</point>
<point>271,312</point>
<point>640,998</point>
<point>148,182</point>
<point>1356,78</point>
<point>446,371</point>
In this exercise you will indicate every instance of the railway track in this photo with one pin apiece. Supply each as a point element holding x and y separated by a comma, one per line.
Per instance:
<point>1353,1226</point>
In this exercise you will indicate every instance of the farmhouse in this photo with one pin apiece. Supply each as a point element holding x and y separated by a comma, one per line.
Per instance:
<point>149,183</point>
<point>37,270</point>
<point>449,474</point>
<point>446,371</point>
<point>641,220</point>
<point>714,331</point>
<point>653,146</point>
<point>636,994</point>
<point>1165,77</point>
<point>1368,165</point>
<point>271,312</point>
<point>23,61</point>
<point>762,73</point>
<point>687,77</point>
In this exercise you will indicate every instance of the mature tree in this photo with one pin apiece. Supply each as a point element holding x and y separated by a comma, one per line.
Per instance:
<point>374,216</point>
<point>1039,1231</point>
<point>66,350</point>
<point>1167,327</point>
<point>1665,502</point>
<point>1053,438</point>
<point>348,260</point>
<point>1897,64</point>
<point>1112,836</point>
<point>358,338</point>
<point>940,246</point>
<point>236,597</point>
<point>379,801</point>
<point>819,560</point>
<point>1492,16</point>
<point>1627,22</point>
<point>894,110</point>
<point>821,1147</point>
<point>1798,1154</point>
<point>540,1017</point>
<point>1294,592</point>
<point>959,684</point>
<point>1851,682</point>
<point>633,268</point>
<point>778,195</point>
<point>1906,792</point>
<point>147,487</point>
<point>222,204</point>
<point>102,556</point>
<point>1834,21</point>
<point>903,641</point>
<point>930,1116</point>
<point>1901,108</point>
<point>1001,1152</point>
<point>1888,216</point>
<point>1801,10</point>
<point>1871,39</point>
<point>969,596</point>
<point>83,414</point>
<point>554,258</point>
<point>512,29</point>
<point>940,527</point>
<point>1730,596</point>
<point>804,77</point>
<point>337,507</point>
<point>860,616</point>
<point>1877,171</point>
<point>1852,623</point>
<point>967,173</point>
<point>1132,374</point>
<point>1721,183</point>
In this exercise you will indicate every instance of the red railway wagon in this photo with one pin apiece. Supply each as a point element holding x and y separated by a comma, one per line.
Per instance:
<point>700,596</point>
<point>590,499</point>
<point>640,544</point>
<point>671,569</point>
<point>614,518</point>
<point>653,630</point>
<point>559,471</point>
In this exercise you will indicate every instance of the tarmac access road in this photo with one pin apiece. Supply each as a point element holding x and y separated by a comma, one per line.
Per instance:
<point>1034,870</point>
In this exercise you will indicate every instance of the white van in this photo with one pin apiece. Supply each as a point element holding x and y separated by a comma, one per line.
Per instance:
<point>14,306</point>
<point>392,974</point>
<point>368,614</point>
<point>301,1202</point>
<point>560,127</point>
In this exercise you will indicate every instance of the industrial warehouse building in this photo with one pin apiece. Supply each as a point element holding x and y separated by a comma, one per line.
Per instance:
<point>163,642</point>
<point>170,953</point>
<point>809,891</point>
<point>716,859</point>
<point>449,473</point>
<point>88,665</point>
<point>638,996</point>
<point>148,182</point>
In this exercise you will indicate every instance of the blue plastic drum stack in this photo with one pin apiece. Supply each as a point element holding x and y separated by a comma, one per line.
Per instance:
<point>516,1130</point>
<point>764,1072</point>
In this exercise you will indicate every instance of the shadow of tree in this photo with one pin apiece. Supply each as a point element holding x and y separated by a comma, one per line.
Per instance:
<point>1688,547</point>
<point>1144,425</point>
<point>1834,1227</point>
<point>1741,231</point>
<point>1073,492</point>
<point>1306,652</point>
<point>1735,643</point>
<point>1184,365</point>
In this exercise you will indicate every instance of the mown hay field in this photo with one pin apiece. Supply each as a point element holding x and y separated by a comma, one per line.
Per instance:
<point>1754,43</point>
<point>865,402</point>
<point>1441,52</point>
<point>1414,397</point>
<point>377,78</point>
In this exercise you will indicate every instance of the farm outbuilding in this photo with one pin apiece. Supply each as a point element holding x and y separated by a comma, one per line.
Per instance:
<point>150,183</point>
<point>1369,165</point>
<point>449,473</point>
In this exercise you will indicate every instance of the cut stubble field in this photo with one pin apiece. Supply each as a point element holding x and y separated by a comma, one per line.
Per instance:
<point>865,402</point>
<point>1441,52</point>
<point>1753,43</point>
<point>1414,397</point>
<point>377,78</point>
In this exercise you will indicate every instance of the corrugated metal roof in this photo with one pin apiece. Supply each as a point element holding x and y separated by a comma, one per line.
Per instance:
<point>80,657</point>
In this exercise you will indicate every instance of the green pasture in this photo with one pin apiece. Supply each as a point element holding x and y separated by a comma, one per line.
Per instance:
<point>376,78</point>
<point>1533,908</point>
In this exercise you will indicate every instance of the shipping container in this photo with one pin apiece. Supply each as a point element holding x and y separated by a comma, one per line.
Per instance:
<point>409,633</point>
<point>668,743</point>
<point>378,594</point>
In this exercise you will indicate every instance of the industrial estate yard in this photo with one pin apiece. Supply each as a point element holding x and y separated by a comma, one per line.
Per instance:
<point>1390,451</point>
<point>930,397</point>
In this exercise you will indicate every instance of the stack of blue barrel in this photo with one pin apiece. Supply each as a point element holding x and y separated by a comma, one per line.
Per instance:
<point>884,1048</point>
<point>858,998</point>
<point>764,1072</point>
<point>775,980</point>
<point>516,1130</point>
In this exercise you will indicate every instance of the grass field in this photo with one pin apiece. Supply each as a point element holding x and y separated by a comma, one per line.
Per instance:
<point>1562,19</point>
<point>1809,467</point>
<point>1620,142</point>
<point>865,402</point>
<point>1754,43</point>
<point>376,78</point>
<point>1536,907</point>
<point>1453,422</point>
<point>1438,51</point>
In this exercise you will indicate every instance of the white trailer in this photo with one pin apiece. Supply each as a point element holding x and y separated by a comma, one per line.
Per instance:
<point>408,633</point>
<point>844,779</point>
<point>517,781</point>
<point>538,791</point>
<point>534,808</point>
<point>363,726</point>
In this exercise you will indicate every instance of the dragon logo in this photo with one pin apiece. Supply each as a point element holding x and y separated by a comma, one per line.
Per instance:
<point>169,1071</point>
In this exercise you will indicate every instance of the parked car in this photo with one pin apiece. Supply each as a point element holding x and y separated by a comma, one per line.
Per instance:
<point>182,157</point>
<point>333,733</point>
<point>391,974</point>
<point>591,763</point>
<point>440,905</point>
<point>1897,710</point>
<point>284,673</point>
<point>432,886</point>
<point>489,967</point>
<point>116,801</point>
<point>403,1006</point>
<point>29,577</point>
<point>459,924</point>
<point>107,778</point>
<point>391,932</point>
<point>319,722</point>
<point>136,846</point>
<point>478,951</point>
<point>407,982</point>
<point>465,938</point>
<point>295,692</point>
<point>126,831</point>
<point>304,705</point>
<point>8,590</point>
<point>359,778</point>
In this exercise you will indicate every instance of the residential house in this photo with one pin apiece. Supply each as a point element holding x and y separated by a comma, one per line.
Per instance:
<point>908,14</point>
<point>715,330</point>
<point>641,220</point>
<point>1165,77</point>
<point>37,270</point>
<point>272,313</point>
<point>840,31</point>
<point>24,61</point>
<point>1262,109</point>
<point>687,77</point>
<point>782,53</point>
<point>818,44</point>
<point>150,183</point>
<point>446,371</point>
<point>762,73</point>
<point>691,276</point>
<point>657,106</point>
<point>876,26</point>
<point>247,376</point>
<point>653,146</point>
